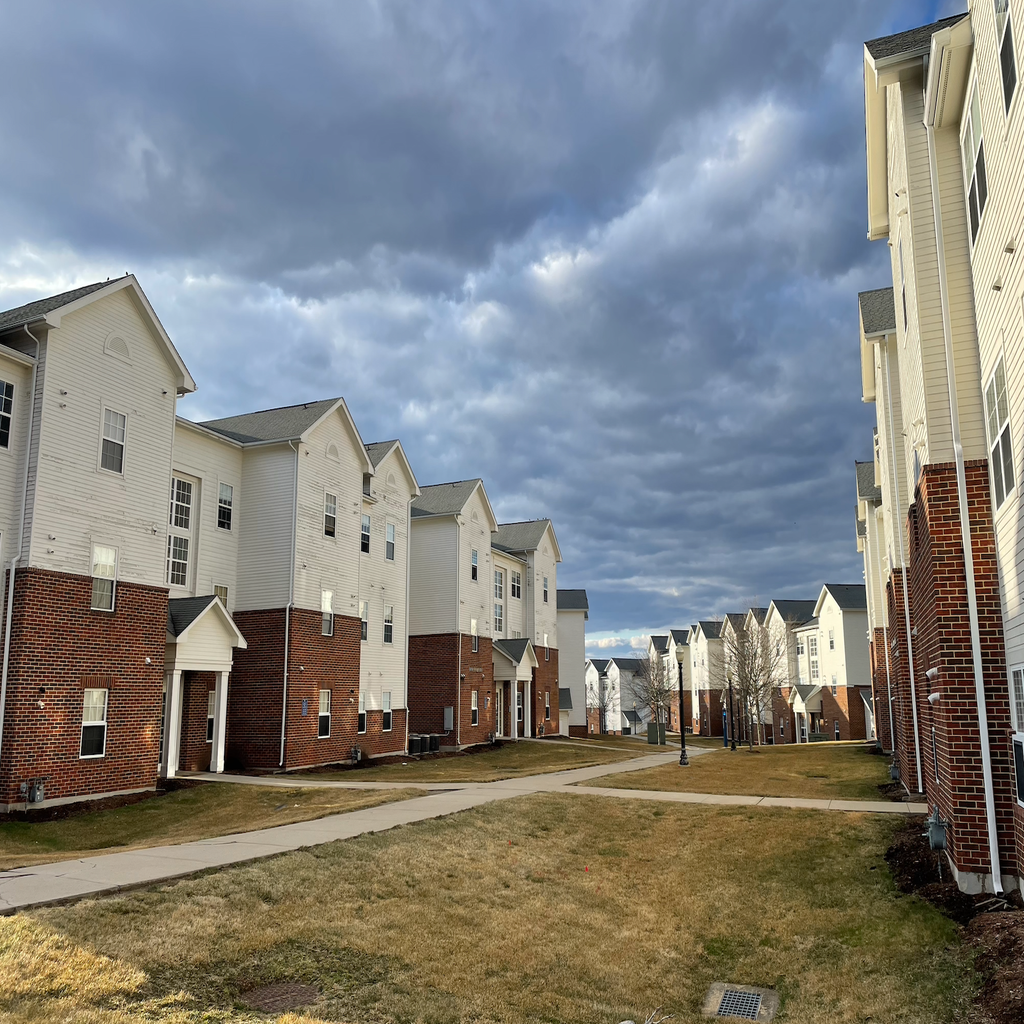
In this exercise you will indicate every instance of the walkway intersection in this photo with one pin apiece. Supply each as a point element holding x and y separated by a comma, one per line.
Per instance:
<point>22,888</point>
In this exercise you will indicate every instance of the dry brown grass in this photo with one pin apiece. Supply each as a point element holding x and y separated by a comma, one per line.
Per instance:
<point>547,908</point>
<point>212,809</point>
<point>813,770</point>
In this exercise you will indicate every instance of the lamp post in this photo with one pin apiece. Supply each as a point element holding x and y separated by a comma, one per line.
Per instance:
<point>732,721</point>
<point>684,761</point>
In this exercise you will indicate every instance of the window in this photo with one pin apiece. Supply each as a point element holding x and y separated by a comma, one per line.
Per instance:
<point>94,723</point>
<point>476,638</point>
<point>1018,765</point>
<point>181,504</point>
<point>515,584</point>
<point>177,561</point>
<point>547,705</point>
<point>835,686</point>
<point>1000,463</point>
<point>364,615</point>
<point>474,708</point>
<point>386,705</point>
<point>814,668</point>
<point>389,544</point>
<point>799,645</point>
<point>211,703</point>
<point>499,584</point>
<point>499,619</point>
<point>782,727</point>
<point>389,623</point>
<point>519,705</point>
<point>545,590</point>
<point>547,653</point>
<point>366,476</point>
<point>222,593</point>
<point>1017,698</point>
<point>831,640</point>
<point>364,536</point>
<point>812,643</point>
<point>973,149</point>
<point>474,565</point>
<point>323,722</point>
<point>112,450</point>
<point>104,572</point>
<point>327,612</point>
<point>361,724</point>
<point>903,289</point>
<point>6,411</point>
<point>836,722</point>
<point>224,501</point>
<point>1007,59</point>
<point>330,514</point>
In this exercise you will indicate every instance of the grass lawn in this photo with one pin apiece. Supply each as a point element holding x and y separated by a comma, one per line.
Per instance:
<point>548,908</point>
<point>508,761</point>
<point>214,809</point>
<point>815,770</point>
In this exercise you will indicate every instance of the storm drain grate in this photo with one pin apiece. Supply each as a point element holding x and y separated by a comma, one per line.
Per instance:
<point>746,1005</point>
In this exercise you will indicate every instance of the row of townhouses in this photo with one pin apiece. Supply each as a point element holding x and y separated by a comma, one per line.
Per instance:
<point>942,361</point>
<point>264,591</point>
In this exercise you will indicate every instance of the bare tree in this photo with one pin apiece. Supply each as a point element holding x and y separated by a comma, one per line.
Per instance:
<point>652,687</point>
<point>755,663</point>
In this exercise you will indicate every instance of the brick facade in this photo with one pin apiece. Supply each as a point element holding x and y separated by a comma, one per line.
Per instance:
<point>478,668</point>
<point>59,647</point>
<point>899,679</point>
<point>545,680</point>
<point>709,705</point>
<point>880,689</point>
<point>194,754</point>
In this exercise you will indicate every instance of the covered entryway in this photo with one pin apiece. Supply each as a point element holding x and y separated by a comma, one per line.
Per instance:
<point>806,704</point>
<point>201,638</point>
<point>514,662</point>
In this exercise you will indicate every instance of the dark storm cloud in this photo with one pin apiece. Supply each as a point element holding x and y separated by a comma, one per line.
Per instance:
<point>603,254</point>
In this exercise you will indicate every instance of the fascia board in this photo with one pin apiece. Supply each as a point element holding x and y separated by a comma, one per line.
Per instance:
<point>820,602</point>
<point>875,129</point>
<point>949,63</point>
<point>206,432</point>
<point>867,368</point>
<point>16,357</point>
<point>226,620</point>
<point>487,505</point>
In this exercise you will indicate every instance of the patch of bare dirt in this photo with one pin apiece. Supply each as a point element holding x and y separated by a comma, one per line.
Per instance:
<point>999,939</point>
<point>280,997</point>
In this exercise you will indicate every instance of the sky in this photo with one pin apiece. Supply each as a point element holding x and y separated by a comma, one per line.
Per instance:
<point>603,254</point>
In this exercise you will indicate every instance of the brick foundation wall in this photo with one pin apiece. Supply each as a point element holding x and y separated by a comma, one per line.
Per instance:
<point>880,689</point>
<point>255,692</point>
<point>433,679</point>
<point>375,742</point>
<point>478,669</point>
<point>594,721</point>
<point>195,752</point>
<point>545,679</point>
<point>59,647</point>
<point>899,677</point>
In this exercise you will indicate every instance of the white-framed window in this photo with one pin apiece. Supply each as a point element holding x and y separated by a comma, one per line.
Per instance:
<point>903,287</point>
<point>94,723</point>
<point>836,722</point>
<point>473,633</point>
<point>221,592</point>
<point>499,584</point>
<point>547,705</point>
<point>330,514</point>
<point>474,565</point>
<point>327,612</point>
<point>366,476</point>
<point>515,583</point>
<point>972,147</point>
<point>6,412</point>
<point>323,722</point>
<point>499,618</point>
<point>177,561</point>
<point>1000,463</point>
<point>112,447</point>
<point>545,590</point>
<point>799,645</point>
<point>104,577</point>
<point>474,707</point>
<point>1007,58</point>
<point>361,724</point>
<point>364,535</point>
<point>835,685</point>
<point>211,704</point>
<point>516,635</point>
<point>389,623</point>
<point>814,668</point>
<point>782,727</point>
<point>364,616</point>
<point>831,639</point>
<point>225,501</point>
<point>519,705</point>
<point>547,653</point>
<point>385,703</point>
<point>389,543</point>
<point>181,504</point>
<point>1017,698</point>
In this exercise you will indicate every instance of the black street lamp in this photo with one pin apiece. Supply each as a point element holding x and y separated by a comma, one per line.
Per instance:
<point>683,759</point>
<point>732,721</point>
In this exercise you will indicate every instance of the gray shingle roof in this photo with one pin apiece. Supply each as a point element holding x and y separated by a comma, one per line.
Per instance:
<point>866,488</point>
<point>284,424</point>
<point>862,527</point>
<point>35,310</point>
<point>564,698</point>
<point>572,601</point>
<point>444,499</point>
<point>759,614</point>
<point>796,612</point>
<point>913,42</point>
<point>738,620</point>
<point>378,450</point>
<point>183,611</point>
<point>680,635</point>
<point>520,536</point>
<point>711,629</point>
<point>809,624</point>
<point>629,664</point>
<point>849,596</point>
<point>878,312</point>
<point>805,691</point>
<point>515,649</point>
<point>600,663</point>
<point>660,643</point>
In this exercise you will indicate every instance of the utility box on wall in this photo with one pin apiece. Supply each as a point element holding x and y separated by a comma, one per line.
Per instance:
<point>449,719</point>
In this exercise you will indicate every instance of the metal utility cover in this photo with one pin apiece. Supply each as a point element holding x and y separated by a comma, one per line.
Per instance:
<point>740,1002</point>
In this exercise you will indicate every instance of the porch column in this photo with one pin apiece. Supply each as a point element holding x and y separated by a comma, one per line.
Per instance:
<point>172,732</point>
<point>528,708</point>
<point>220,721</point>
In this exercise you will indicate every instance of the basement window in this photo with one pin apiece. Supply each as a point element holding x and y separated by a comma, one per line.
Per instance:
<point>1000,464</point>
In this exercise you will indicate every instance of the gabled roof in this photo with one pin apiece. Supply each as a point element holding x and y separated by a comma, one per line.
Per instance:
<point>629,664</point>
<point>572,601</point>
<point>184,612</point>
<point>32,311</point>
<point>737,620</point>
<point>450,499</point>
<point>288,423</point>
<point>660,643</point>
<point>852,597</point>
<point>379,451</point>
<point>759,614</point>
<point>809,624</point>
<point>710,628</point>
<point>564,699</point>
<point>600,663</point>
<point>866,487</point>
<point>804,692</point>
<point>877,312</point>
<point>525,536</point>
<point>795,612</point>
<point>515,650</point>
<point>915,42</point>
<point>680,636</point>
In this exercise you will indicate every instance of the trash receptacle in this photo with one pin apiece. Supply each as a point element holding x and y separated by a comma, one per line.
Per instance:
<point>414,744</point>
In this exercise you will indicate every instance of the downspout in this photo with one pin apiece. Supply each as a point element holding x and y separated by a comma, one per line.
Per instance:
<point>291,601</point>
<point>903,567</point>
<point>21,540</point>
<point>965,526</point>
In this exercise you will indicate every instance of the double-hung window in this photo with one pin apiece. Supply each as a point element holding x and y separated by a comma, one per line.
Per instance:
<point>547,705</point>
<point>224,503</point>
<point>812,646</point>
<point>94,723</point>
<point>973,149</point>
<point>499,584</point>
<point>327,612</point>
<point>323,722</point>
<point>499,618</point>
<point>474,565</point>
<point>519,705</point>
<point>831,639</point>
<point>474,707</point>
<point>835,685</point>
<point>515,584</point>
<point>1017,710</point>
<point>211,704</point>
<point>1000,446</point>
<point>385,703</point>
<point>330,514</point>
<point>6,412</point>
<point>177,561</point>
<point>364,616</point>
<point>389,543</point>
<point>361,724</point>
<point>104,575</point>
<point>181,504</point>
<point>364,535</point>
<point>473,633</point>
<point>1007,58</point>
<point>112,449</point>
<point>545,590</point>
<point>389,623</point>
<point>221,591</point>
<point>800,646</point>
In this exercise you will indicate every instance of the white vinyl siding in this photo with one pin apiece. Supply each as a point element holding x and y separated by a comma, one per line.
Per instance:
<point>433,577</point>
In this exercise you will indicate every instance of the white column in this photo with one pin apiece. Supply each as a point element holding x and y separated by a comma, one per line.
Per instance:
<point>172,735</point>
<point>220,721</point>
<point>528,706</point>
<point>513,688</point>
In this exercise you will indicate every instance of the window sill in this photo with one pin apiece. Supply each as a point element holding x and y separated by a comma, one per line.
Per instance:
<point>91,757</point>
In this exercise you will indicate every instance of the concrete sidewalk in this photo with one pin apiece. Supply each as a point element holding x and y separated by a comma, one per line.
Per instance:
<point>22,888</point>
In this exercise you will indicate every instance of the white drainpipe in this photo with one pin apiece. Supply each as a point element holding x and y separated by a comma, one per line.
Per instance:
<point>965,529</point>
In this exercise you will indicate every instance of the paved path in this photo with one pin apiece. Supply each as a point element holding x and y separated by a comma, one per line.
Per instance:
<point>22,888</point>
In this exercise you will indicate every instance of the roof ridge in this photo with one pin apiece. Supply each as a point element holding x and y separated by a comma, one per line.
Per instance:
<point>276,408</point>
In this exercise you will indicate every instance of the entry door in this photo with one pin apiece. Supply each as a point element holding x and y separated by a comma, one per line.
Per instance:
<point>803,728</point>
<point>499,709</point>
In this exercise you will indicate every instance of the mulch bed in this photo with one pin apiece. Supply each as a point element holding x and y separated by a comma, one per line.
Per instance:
<point>73,810</point>
<point>347,766</point>
<point>992,925</point>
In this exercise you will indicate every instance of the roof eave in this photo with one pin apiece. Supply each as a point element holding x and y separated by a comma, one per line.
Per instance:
<point>949,65</point>
<point>368,466</point>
